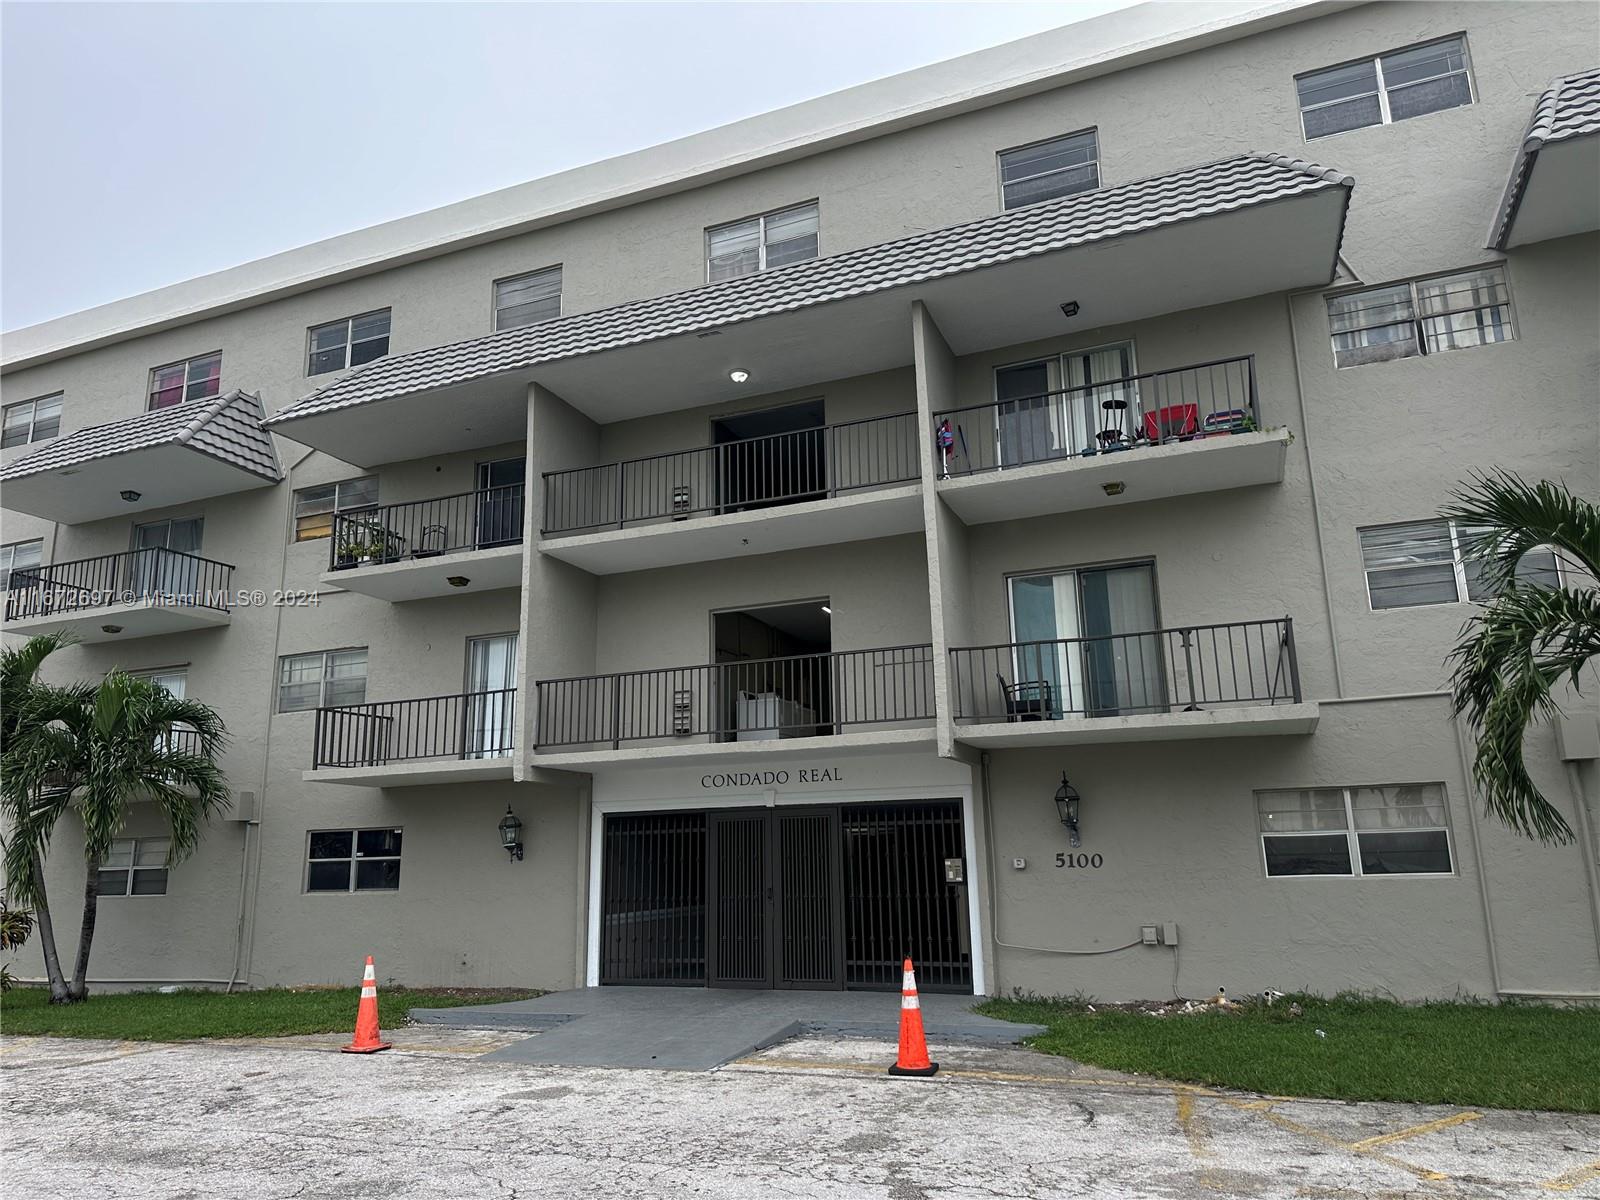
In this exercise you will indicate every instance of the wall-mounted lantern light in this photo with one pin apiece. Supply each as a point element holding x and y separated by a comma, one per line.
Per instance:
<point>1067,800</point>
<point>511,835</point>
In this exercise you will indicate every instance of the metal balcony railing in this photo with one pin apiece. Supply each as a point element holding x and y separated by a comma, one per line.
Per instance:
<point>390,533</point>
<point>1183,669</point>
<point>780,468</point>
<point>157,575</point>
<point>1213,399</point>
<point>470,725</point>
<point>753,700</point>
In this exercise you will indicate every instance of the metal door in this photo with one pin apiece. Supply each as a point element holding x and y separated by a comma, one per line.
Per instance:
<point>739,899</point>
<point>809,950</point>
<point>653,898</point>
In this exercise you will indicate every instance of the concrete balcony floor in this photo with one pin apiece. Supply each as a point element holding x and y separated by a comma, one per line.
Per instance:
<point>1264,720</point>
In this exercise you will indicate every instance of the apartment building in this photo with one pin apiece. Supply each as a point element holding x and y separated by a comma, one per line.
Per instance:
<point>985,514</point>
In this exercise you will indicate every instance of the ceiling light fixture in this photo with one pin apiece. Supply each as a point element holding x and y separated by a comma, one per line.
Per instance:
<point>738,375</point>
<point>457,580</point>
<point>1114,488</point>
<point>111,629</point>
<point>827,609</point>
<point>1069,309</point>
<point>131,496</point>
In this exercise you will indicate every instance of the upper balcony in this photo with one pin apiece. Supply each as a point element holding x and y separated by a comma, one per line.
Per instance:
<point>848,699</point>
<point>812,487</point>
<point>408,743</point>
<point>1141,437</point>
<point>1196,681</point>
<point>433,547</point>
<point>174,455</point>
<point>138,593</point>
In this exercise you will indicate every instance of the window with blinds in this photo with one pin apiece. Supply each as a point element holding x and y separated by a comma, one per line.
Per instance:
<point>773,239</point>
<point>1423,316</point>
<point>32,421</point>
<point>527,299</point>
<point>314,506</point>
<point>1047,170</point>
<point>1432,562</point>
<point>322,678</point>
<point>1384,89</point>
<point>1392,829</point>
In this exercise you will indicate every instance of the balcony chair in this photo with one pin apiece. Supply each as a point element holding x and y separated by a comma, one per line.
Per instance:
<point>1029,700</point>
<point>432,542</point>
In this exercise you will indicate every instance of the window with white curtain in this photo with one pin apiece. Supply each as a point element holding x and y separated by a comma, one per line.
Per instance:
<point>771,240</point>
<point>1431,562</point>
<point>19,556</point>
<point>527,299</point>
<point>1057,407</point>
<point>1390,87</point>
<point>491,695</point>
<point>1050,169</point>
<point>1394,829</point>
<point>1422,316</point>
<point>1085,643</point>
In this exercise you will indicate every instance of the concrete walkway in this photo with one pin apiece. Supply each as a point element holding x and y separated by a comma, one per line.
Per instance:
<point>696,1029</point>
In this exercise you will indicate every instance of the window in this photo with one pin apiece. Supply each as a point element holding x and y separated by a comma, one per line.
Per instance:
<point>135,867</point>
<point>1400,829</point>
<point>322,678</point>
<point>194,379</point>
<point>314,506</point>
<point>1391,87</point>
<point>347,343</point>
<point>1047,170</point>
<point>1424,316</point>
<point>1428,562</point>
<point>32,421</point>
<point>353,860</point>
<point>19,556</point>
<point>752,245</point>
<point>527,299</point>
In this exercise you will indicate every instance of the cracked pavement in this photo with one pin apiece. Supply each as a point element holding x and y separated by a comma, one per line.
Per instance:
<point>813,1117</point>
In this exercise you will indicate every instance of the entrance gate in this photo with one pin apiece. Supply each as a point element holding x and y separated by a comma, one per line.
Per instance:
<point>813,897</point>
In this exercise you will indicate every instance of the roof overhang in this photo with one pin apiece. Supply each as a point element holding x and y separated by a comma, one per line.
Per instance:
<point>1255,249</point>
<point>1559,193</point>
<point>92,490</point>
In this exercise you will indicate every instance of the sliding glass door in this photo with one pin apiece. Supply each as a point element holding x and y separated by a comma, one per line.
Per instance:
<point>491,698</point>
<point>1057,407</point>
<point>1084,642</point>
<point>157,574</point>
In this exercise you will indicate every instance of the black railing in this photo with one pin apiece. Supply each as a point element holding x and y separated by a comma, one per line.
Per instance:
<point>754,700</point>
<point>1213,399</point>
<point>467,726</point>
<point>153,575</point>
<point>425,528</point>
<point>780,468</point>
<point>1163,671</point>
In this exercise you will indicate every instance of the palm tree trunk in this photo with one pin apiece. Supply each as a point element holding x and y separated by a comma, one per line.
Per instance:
<point>79,989</point>
<point>47,934</point>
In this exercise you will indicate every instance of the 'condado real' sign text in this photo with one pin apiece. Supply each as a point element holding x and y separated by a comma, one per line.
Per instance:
<point>767,779</point>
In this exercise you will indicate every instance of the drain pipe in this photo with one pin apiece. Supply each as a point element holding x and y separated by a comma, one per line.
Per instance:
<point>1589,848</point>
<point>1477,857</point>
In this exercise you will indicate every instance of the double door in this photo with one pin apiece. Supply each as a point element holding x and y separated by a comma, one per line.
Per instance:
<point>788,897</point>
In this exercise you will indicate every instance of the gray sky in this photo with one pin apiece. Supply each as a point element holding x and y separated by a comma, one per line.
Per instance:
<point>142,144</point>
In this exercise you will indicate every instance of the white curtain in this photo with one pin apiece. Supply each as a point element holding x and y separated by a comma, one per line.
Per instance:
<point>491,704</point>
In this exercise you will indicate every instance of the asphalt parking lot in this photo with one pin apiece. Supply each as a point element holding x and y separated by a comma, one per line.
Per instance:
<point>813,1117</point>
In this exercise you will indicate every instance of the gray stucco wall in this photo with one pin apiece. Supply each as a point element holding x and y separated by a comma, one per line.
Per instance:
<point>1371,444</point>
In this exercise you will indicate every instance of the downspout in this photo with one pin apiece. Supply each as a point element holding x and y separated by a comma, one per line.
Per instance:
<point>1477,858</point>
<point>254,891</point>
<point>1311,486</point>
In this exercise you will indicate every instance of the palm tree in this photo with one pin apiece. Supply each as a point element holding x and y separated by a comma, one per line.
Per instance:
<point>128,739</point>
<point>27,705</point>
<point>1528,638</point>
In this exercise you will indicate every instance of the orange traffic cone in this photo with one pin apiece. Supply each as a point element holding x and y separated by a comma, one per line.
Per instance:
<point>913,1056</point>
<point>368,1039</point>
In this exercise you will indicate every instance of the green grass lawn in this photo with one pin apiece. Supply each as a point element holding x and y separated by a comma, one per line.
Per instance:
<point>1477,1055</point>
<point>182,1016</point>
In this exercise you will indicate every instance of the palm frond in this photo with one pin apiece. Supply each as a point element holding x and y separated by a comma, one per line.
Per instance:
<point>1502,517</point>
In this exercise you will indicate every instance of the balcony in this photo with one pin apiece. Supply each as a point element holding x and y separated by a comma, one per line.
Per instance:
<point>397,743</point>
<point>1196,681</point>
<point>139,593</point>
<point>471,541</point>
<point>850,699</point>
<point>1143,437</point>
<point>814,487</point>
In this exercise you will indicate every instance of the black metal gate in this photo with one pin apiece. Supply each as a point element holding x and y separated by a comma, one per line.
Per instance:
<point>827,897</point>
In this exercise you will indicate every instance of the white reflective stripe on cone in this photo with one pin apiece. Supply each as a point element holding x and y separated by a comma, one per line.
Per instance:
<point>910,1001</point>
<point>369,993</point>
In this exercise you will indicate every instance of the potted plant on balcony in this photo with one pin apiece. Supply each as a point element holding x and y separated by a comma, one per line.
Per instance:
<point>364,545</point>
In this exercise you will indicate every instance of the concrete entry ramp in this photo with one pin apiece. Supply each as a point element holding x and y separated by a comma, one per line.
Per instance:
<point>696,1029</point>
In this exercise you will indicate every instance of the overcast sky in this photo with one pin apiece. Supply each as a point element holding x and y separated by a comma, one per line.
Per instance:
<point>142,144</point>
